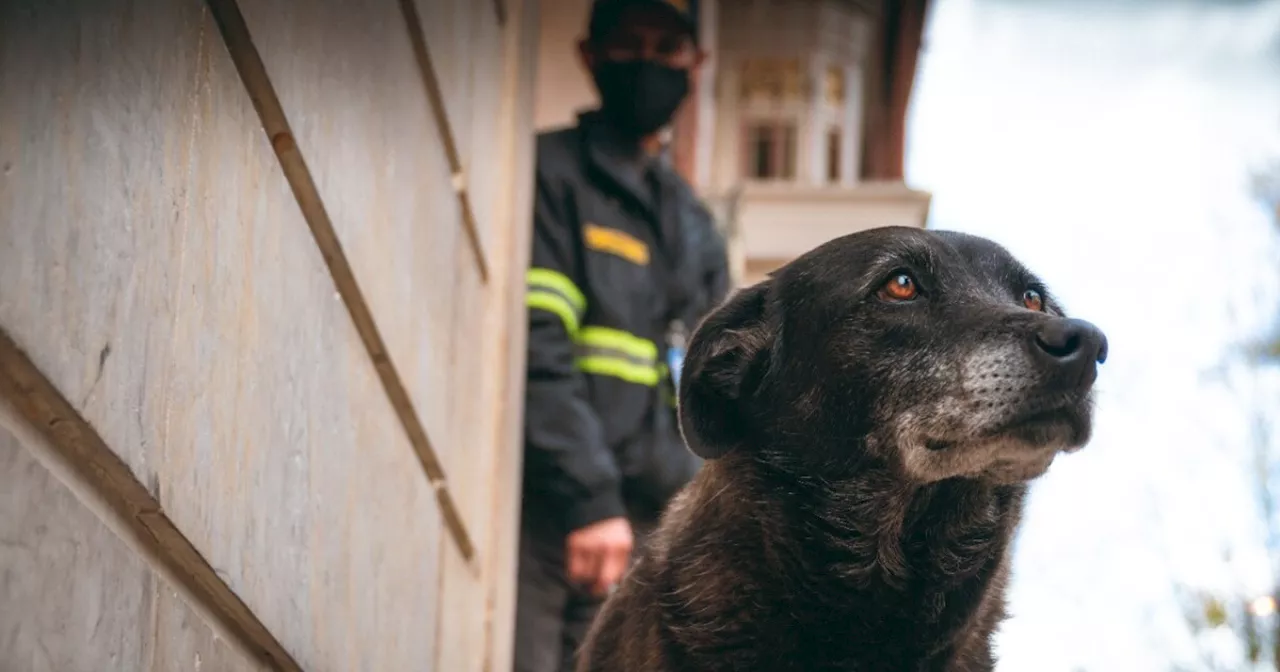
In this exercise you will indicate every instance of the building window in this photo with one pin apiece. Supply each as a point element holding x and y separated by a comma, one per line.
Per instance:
<point>833,155</point>
<point>771,81</point>
<point>833,86</point>
<point>770,151</point>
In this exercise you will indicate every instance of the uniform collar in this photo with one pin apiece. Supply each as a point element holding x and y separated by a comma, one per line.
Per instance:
<point>620,159</point>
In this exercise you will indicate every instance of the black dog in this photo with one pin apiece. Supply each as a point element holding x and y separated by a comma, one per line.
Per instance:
<point>872,414</point>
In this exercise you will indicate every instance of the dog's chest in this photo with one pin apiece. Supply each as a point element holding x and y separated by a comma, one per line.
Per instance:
<point>816,625</point>
<point>838,631</point>
<point>811,597</point>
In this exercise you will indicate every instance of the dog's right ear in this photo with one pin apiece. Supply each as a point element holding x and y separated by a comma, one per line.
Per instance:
<point>717,373</point>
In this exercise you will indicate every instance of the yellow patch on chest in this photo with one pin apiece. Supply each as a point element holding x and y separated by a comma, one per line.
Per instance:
<point>615,242</point>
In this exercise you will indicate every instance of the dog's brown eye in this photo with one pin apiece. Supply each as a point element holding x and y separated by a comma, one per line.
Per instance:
<point>1033,301</point>
<point>900,287</point>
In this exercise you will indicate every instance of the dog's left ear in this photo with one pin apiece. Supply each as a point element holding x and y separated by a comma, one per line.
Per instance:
<point>717,373</point>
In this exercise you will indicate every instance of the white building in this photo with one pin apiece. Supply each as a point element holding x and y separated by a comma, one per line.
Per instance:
<point>794,134</point>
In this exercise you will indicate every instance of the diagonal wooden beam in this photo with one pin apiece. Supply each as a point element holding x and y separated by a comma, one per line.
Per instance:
<point>253,74</point>
<point>95,466</point>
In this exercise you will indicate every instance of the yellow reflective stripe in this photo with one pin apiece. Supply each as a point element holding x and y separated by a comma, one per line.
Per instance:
<point>619,368</point>
<point>618,354</point>
<point>621,341</point>
<point>554,303</point>
<point>545,278</point>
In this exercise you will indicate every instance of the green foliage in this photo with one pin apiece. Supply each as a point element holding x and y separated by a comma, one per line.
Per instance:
<point>1215,612</point>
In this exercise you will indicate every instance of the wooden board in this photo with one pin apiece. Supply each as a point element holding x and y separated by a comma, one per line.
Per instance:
<point>461,635</point>
<point>353,94</point>
<point>360,112</point>
<point>471,449</point>
<point>156,268</point>
<point>447,26</point>
<point>88,603</point>
<point>520,50</point>
<point>466,55</point>
<point>483,161</point>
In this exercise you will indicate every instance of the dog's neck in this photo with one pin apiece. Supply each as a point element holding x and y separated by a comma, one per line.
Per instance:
<point>875,530</point>
<point>835,566</point>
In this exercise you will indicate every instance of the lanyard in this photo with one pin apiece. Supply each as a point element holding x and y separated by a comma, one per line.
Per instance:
<point>677,339</point>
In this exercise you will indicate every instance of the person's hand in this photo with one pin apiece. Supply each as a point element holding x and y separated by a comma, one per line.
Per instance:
<point>596,556</point>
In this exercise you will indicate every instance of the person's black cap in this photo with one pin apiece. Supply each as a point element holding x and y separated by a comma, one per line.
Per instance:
<point>607,14</point>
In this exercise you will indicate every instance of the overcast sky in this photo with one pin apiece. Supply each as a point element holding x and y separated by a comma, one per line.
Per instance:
<point>1109,146</point>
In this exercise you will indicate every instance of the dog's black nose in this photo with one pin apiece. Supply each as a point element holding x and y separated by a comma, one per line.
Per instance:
<point>1074,346</point>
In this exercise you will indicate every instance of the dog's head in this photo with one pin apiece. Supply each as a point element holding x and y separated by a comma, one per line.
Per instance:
<point>936,352</point>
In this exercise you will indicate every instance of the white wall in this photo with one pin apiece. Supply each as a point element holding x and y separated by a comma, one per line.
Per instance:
<point>706,129</point>
<point>785,221</point>
<point>563,86</point>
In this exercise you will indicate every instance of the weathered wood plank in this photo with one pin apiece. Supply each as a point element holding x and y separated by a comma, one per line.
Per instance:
<point>254,75</point>
<point>99,473</point>
<point>76,597</point>
<point>465,57</point>
<point>472,368</point>
<point>461,635</point>
<point>443,99</point>
<point>520,56</point>
<point>184,642</point>
<point>447,26</point>
<point>155,266</point>
<point>484,162</point>
<point>469,462</point>
<point>484,456</point>
<point>348,82</point>
<point>72,595</point>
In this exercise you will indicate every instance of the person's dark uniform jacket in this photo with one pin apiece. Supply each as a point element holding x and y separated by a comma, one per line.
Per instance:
<point>622,251</point>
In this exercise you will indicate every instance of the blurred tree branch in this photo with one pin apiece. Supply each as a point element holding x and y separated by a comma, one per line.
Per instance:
<point>1266,188</point>
<point>1250,622</point>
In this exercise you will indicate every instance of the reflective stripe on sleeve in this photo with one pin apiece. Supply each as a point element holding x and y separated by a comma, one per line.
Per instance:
<point>603,351</point>
<point>554,292</point>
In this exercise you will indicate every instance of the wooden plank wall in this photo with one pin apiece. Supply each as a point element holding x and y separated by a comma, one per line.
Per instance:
<point>90,603</point>
<point>261,279</point>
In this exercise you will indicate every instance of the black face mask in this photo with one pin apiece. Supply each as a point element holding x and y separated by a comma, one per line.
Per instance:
<point>640,97</point>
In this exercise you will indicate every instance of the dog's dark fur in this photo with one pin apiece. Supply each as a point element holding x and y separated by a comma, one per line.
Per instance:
<point>868,461</point>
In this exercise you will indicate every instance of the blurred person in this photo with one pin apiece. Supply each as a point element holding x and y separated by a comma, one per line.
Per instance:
<point>625,259</point>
